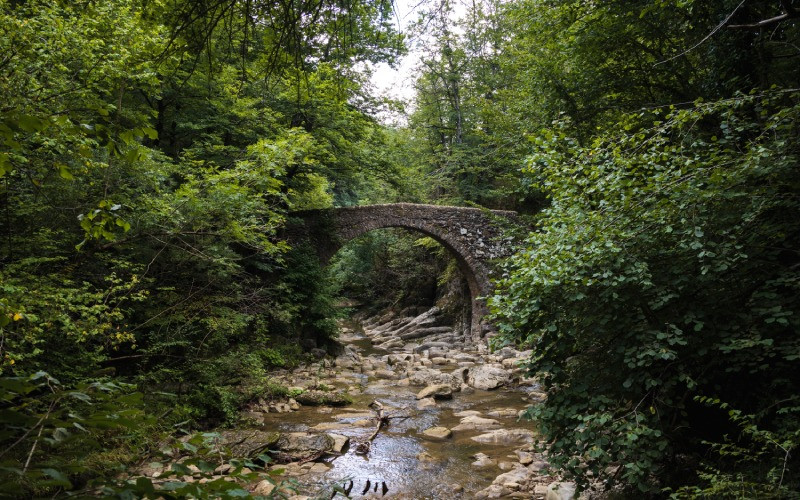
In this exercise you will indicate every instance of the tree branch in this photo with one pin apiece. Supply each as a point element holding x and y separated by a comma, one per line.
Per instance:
<point>789,12</point>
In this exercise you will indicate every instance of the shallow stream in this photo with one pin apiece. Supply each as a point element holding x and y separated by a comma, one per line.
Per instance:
<point>409,464</point>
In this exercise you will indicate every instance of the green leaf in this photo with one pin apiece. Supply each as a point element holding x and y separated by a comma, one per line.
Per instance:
<point>59,479</point>
<point>5,164</point>
<point>151,133</point>
<point>64,172</point>
<point>30,123</point>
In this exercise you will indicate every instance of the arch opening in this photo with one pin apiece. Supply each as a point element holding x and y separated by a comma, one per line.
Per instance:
<point>400,269</point>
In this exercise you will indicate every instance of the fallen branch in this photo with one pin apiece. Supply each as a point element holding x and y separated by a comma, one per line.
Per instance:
<point>377,407</point>
<point>382,419</point>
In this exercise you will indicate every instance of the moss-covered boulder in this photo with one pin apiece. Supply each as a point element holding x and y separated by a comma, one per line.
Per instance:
<point>322,398</point>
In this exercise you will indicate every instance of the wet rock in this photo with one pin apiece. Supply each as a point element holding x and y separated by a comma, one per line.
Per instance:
<point>425,403</point>
<point>328,426</point>
<point>466,413</point>
<point>318,468</point>
<point>503,412</point>
<point>475,423</point>
<point>299,445</point>
<point>293,404</point>
<point>437,433</point>
<point>560,491</point>
<point>248,443</point>
<point>322,398</point>
<point>506,437</point>
<point>429,376</point>
<point>482,460</point>
<point>438,391</point>
<point>487,377</point>
<point>339,443</point>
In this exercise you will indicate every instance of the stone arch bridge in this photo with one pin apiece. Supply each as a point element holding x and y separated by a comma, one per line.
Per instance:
<point>472,235</point>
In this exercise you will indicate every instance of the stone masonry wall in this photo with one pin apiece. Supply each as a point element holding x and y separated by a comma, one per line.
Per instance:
<point>472,235</point>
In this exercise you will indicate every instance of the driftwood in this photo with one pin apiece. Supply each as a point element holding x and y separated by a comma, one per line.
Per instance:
<point>382,419</point>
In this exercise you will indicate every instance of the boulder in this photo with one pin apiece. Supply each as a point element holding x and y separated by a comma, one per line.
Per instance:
<point>264,488</point>
<point>248,443</point>
<point>295,446</point>
<point>512,479</point>
<point>475,423</point>
<point>506,437</point>
<point>429,376</point>
<point>437,433</point>
<point>560,491</point>
<point>482,460</point>
<point>525,457</point>
<point>322,398</point>
<point>466,413</point>
<point>438,391</point>
<point>339,443</point>
<point>503,412</point>
<point>385,374</point>
<point>487,377</point>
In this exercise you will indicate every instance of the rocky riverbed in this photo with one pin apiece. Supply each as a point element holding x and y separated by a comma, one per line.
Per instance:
<point>409,409</point>
<point>451,408</point>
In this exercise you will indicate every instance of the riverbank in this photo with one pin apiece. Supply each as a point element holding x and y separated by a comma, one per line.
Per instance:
<point>409,408</point>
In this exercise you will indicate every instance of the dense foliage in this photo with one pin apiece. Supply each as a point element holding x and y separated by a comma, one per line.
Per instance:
<point>151,152</point>
<point>659,296</point>
<point>659,289</point>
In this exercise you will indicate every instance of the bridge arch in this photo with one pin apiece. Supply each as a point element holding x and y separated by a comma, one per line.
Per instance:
<point>471,235</point>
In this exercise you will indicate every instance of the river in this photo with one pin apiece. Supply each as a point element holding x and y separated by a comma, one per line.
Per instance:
<point>402,462</point>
